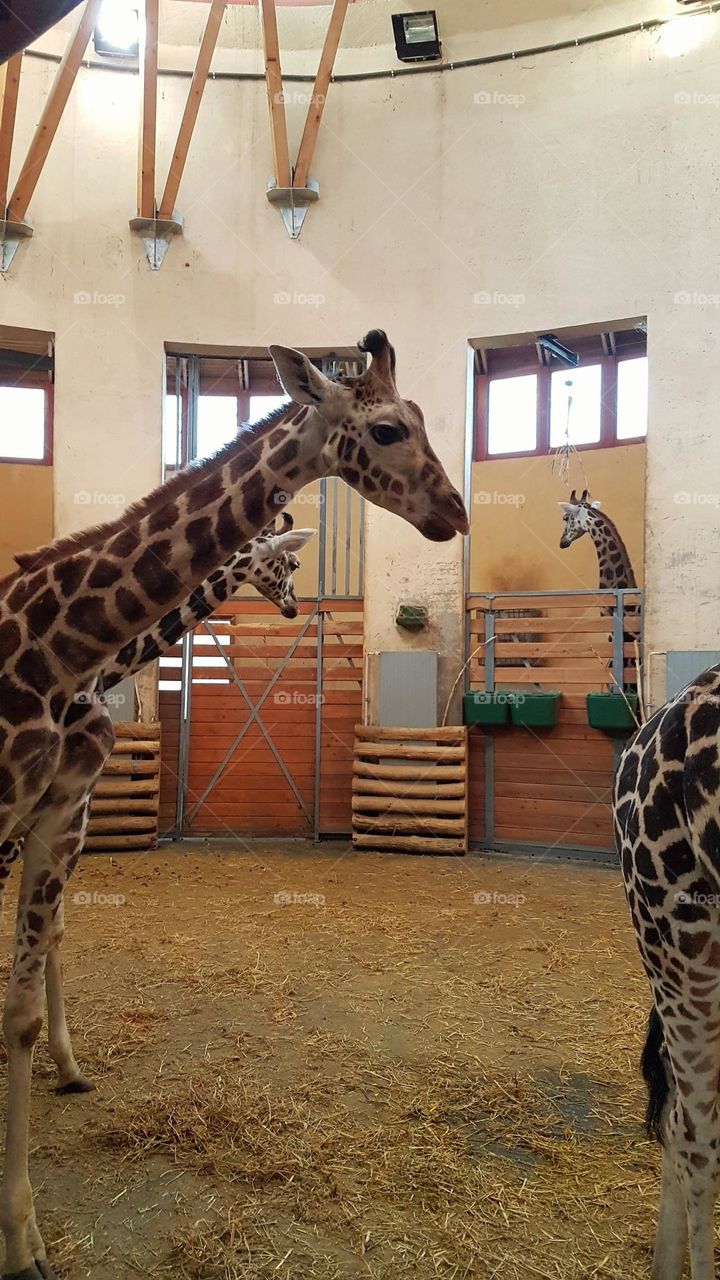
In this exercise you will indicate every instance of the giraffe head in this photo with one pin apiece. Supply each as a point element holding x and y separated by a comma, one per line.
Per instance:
<point>577,517</point>
<point>375,440</point>
<point>272,562</point>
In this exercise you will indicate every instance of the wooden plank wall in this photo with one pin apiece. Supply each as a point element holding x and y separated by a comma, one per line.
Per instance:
<point>252,797</point>
<point>551,787</point>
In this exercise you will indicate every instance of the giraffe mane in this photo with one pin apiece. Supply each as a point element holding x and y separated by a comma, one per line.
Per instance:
<point>29,561</point>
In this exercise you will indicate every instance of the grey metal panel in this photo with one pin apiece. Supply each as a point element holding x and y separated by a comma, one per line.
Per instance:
<point>120,700</point>
<point>683,665</point>
<point>408,689</point>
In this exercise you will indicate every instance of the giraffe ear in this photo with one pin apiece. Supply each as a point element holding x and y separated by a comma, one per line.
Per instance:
<point>566,507</point>
<point>596,504</point>
<point>300,379</point>
<point>294,541</point>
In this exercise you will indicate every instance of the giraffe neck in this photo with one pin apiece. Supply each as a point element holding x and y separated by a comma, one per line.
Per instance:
<point>615,569</point>
<point>89,596</point>
<point>157,640</point>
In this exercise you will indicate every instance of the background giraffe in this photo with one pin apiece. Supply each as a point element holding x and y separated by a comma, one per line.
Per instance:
<point>581,516</point>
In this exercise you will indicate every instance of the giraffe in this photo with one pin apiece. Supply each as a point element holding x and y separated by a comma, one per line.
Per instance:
<point>666,809</point>
<point>81,600</point>
<point>267,563</point>
<point>582,516</point>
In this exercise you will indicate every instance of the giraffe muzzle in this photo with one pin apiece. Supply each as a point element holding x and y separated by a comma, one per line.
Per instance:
<point>442,525</point>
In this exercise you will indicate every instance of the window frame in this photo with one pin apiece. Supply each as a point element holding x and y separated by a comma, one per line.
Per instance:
<point>608,407</point>
<point>34,381</point>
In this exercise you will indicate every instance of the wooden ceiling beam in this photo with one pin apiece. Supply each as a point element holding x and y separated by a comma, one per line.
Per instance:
<point>148,110</point>
<point>319,95</point>
<point>192,107</point>
<point>274,86</point>
<point>52,113</point>
<point>9,88</point>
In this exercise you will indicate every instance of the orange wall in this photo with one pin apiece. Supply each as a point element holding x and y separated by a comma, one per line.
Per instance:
<point>516,522</point>
<point>26,503</point>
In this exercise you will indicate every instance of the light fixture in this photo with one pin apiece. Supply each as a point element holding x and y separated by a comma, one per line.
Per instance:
<point>416,36</point>
<point>117,32</point>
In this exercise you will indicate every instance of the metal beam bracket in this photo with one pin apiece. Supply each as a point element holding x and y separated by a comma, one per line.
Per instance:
<point>293,203</point>
<point>156,234</point>
<point>11,235</point>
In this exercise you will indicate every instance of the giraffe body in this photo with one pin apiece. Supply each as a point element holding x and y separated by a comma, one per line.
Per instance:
<point>83,599</point>
<point>667,823</point>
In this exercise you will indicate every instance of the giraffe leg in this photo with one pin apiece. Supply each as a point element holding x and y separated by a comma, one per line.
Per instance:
<point>70,1077</point>
<point>672,1228</point>
<point>50,853</point>
<point>691,1163</point>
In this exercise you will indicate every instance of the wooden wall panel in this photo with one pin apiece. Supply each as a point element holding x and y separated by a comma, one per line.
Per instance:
<point>252,796</point>
<point>552,787</point>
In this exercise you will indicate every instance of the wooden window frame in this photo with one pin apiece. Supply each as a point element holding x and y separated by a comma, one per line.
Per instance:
<point>543,448</point>
<point>37,382</point>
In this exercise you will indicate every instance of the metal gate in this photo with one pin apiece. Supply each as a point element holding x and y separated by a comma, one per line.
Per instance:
<point>258,712</point>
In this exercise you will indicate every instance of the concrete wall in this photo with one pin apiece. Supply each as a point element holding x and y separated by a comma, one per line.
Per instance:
<point>579,184</point>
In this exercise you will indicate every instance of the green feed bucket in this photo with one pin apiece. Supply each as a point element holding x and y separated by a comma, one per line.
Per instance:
<point>486,709</point>
<point>613,712</point>
<point>534,710</point>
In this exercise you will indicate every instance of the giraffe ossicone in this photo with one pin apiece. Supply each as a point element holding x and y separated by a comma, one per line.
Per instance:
<point>81,600</point>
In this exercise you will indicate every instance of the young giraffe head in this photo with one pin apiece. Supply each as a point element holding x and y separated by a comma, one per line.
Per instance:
<point>375,440</point>
<point>269,561</point>
<point>577,517</point>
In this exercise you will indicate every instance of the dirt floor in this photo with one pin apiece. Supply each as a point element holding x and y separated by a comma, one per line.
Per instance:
<point>337,1066</point>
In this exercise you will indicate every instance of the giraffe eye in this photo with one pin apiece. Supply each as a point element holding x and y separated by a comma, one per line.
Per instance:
<point>384,433</point>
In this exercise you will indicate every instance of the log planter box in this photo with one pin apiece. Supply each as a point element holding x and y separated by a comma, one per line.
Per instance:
<point>410,789</point>
<point>124,806</point>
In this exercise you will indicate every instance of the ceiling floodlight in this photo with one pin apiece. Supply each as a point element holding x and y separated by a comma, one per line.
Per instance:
<point>117,33</point>
<point>416,36</point>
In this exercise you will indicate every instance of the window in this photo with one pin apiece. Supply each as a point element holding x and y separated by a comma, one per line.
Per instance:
<point>528,403</point>
<point>24,424</point>
<point>261,406</point>
<point>632,398</point>
<point>575,406</point>
<point>217,423</point>
<point>512,414</point>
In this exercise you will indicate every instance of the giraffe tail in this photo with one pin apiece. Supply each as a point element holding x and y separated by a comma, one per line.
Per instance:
<point>653,1067</point>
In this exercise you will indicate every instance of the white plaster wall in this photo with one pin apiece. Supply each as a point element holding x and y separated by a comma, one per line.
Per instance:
<point>593,197</point>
